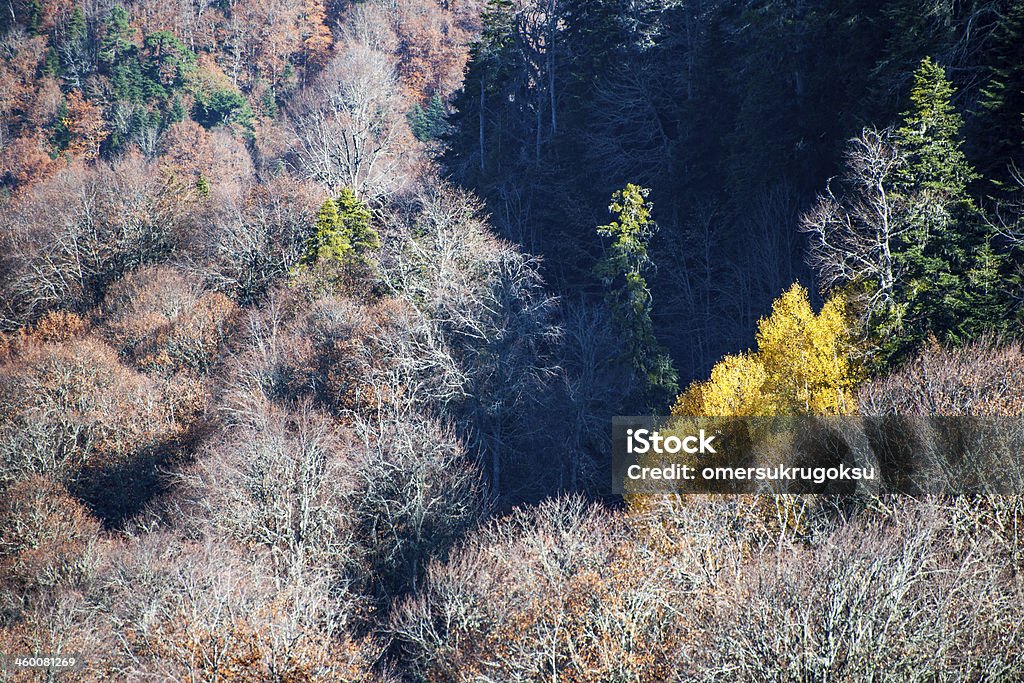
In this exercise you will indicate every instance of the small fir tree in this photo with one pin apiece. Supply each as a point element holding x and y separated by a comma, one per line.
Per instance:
<point>343,233</point>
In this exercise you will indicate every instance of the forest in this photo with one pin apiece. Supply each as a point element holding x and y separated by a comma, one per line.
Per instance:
<point>315,314</point>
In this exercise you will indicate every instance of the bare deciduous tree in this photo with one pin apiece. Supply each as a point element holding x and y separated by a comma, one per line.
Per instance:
<point>248,247</point>
<point>278,484</point>
<point>487,300</point>
<point>73,235</point>
<point>418,494</point>
<point>351,129</point>
<point>853,235</point>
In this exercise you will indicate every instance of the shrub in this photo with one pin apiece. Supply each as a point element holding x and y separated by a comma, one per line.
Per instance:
<point>985,378</point>
<point>884,598</point>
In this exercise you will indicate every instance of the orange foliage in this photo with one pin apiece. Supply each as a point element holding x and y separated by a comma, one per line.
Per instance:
<point>433,49</point>
<point>269,34</point>
<point>596,624</point>
<point>246,649</point>
<point>18,75</point>
<point>86,127</point>
<point>59,326</point>
<point>186,153</point>
<point>25,160</point>
<point>163,321</point>
<point>317,40</point>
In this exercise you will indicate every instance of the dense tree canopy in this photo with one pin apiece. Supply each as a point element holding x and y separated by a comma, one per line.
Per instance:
<point>315,315</point>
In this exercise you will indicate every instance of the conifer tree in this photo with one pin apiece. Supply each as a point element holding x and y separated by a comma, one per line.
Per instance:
<point>356,220</point>
<point>952,284</point>
<point>342,233</point>
<point>116,41</point>
<point>622,273</point>
<point>428,124</point>
<point>328,241</point>
<point>930,136</point>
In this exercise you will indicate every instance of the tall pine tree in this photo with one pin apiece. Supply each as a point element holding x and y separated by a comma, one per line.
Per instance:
<point>954,283</point>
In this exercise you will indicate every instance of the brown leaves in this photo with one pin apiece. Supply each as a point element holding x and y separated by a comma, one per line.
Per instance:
<point>85,125</point>
<point>162,320</point>
<point>983,379</point>
<point>67,408</point>
<point>45,535</point>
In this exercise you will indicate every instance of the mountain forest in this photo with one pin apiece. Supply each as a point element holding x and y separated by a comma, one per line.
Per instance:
<point>315,314</point>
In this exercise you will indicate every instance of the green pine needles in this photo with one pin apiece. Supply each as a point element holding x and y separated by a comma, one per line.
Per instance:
<point>955,282</point>
<point>622,273</point>
<point>343,236</point>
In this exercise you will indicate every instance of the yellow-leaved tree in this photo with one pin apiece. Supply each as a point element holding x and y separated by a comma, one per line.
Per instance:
<point>802,365</point>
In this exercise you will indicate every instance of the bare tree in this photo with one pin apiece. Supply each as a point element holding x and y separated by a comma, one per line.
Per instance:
<point>278,484</point>
<point>78,232</point>
<point>350,126</point>
<point>597,381</point>
<point>853,234</point>
<point>418,494</point>
<point>250,246</point>
<point>488,302</point>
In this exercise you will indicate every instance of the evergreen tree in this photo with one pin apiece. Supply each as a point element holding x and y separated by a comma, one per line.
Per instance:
<point>328,241</point>
<point>953,284</point>
<point>930,136</point>
<point>116,41</point>
<point>622,273</point>
<point>356,222</point>
<point>429,124</point>
<point>168,62</point>
<point>911,29</point>
<point>222,105</point>
<point>342,233</point>
<point>119,58</point>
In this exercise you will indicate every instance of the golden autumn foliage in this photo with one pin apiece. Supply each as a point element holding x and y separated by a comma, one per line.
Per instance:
<point>802,365</point>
